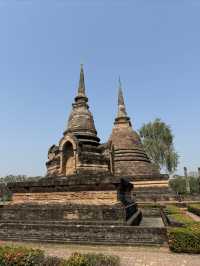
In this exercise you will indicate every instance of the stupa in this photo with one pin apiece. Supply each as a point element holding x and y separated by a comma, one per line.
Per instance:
<point>128,155</point>
<point>79,150</point>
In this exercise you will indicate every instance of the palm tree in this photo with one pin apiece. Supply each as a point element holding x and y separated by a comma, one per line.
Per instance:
<point>157,139</point>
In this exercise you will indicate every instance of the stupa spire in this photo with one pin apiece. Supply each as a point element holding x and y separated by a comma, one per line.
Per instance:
<point>121,105</point>
<point>81,119</point>
<point>81,87</point>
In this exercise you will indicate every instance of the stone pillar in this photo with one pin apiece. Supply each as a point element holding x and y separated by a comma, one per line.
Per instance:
<point>199,178</point>
<point>199,172</point>
<point>187,180</point>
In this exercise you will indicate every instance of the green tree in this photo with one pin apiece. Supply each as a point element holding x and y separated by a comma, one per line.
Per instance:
<point>157,139</point>
<point>178,184</point>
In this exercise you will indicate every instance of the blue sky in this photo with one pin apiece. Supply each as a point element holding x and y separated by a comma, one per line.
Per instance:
<point>153,45</point>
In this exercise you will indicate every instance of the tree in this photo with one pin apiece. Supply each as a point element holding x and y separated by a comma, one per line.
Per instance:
<point>178,184</point>
<point>157,139</point>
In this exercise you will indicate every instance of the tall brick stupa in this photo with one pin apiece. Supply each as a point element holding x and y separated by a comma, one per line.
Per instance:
<point>129,157</point>
<point>78,150</point>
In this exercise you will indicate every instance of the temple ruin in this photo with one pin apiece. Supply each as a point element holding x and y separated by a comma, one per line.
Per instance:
<point>91,191</point>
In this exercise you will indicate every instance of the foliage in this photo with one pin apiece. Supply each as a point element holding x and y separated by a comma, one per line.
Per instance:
<point>194,184</point>
<point>77,259</point>
<point>90,259</point>
<point>157,139</point>
<point>185,239</point>
<point>53,261</point>
<point>178,184</point>
<point>18,178</point>
<point>194,208</point>
<point>20,256</point>
<point>102,260</point>
<point>5,194</point>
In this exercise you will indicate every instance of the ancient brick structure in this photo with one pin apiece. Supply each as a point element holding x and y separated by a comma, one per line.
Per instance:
<point>128,155</point>
<point>76,209</point>
<point>87,195</point>
<point>79,149</point>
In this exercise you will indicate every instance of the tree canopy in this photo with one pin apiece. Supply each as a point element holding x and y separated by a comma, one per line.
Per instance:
<point>157,139</point>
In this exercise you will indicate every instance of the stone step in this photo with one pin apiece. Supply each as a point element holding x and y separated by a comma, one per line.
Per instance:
<point>61,222</point>
<point>93,234</point>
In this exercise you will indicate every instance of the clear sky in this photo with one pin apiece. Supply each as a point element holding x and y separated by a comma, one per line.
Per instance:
<point>153,45</point>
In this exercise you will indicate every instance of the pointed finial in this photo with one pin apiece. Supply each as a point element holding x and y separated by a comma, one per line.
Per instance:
<point>120,84</point>
<point>120,94</point>
<point>121,104</point>
<point>81,87</point>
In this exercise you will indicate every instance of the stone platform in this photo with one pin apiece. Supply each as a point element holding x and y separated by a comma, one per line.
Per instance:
<point>80,209</point>
<point>73,223</point>
<point>101,189</point>
<point>85,234</point>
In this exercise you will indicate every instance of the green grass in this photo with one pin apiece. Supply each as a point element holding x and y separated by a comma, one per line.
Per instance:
<point>176,214</point>
<point>195,205</point>
<point>172,209</point>
<point>181,218</point>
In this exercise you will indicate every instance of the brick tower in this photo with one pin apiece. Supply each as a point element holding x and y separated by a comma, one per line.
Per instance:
<point>78,151</point>
<point>128,155</point>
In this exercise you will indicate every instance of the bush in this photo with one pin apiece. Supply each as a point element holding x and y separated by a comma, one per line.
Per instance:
<point>20,256</point>
<point>53,261</point>
<point>78,259</point>
<point>194,208</point>
<point>185,239</point>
